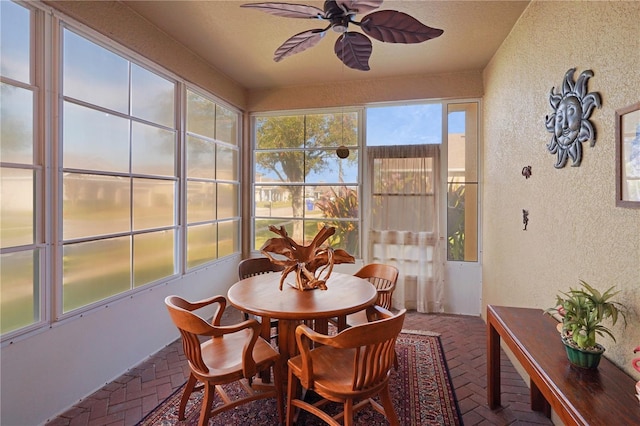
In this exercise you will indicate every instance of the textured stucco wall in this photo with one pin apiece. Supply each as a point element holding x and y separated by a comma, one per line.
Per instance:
<point>575,230</point>
<point>121,24</point>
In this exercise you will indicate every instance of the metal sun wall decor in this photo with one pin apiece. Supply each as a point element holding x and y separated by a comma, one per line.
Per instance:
<point>312,264</point>
<point>569,123</point>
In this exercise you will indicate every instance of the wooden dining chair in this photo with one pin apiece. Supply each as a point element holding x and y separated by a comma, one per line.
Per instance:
<point>231,353</point>
<point>352,366</point>
<point>258,266</point>
<point>384,278</point>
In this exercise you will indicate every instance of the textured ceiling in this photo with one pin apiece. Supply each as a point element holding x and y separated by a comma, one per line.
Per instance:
<point>240,42</point>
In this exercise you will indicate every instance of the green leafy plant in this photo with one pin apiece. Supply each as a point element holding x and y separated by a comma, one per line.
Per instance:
<point>583,311</point>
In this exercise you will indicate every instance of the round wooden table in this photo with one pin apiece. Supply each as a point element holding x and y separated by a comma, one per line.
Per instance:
<point>260,295</point>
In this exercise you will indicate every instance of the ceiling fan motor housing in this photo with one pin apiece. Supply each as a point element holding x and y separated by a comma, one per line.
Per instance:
<point>338,16</point>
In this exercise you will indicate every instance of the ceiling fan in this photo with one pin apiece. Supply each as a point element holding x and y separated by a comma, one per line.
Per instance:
<point>352,48</point>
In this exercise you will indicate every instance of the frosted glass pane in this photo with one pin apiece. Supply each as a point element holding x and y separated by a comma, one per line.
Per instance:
<point>227,200</point>
<point>153,150</point>
<point>201,244</point>
<point>15,42</point>
<point>227,163</point>
<point>93,140</point>
<point>201,201</point>
<point>201,115</point>
<point>19,290</point>
<point>17,207</point>
<point>94,271</point>
<point>152,97</point>
<point>95,205</point>
<point>201,158</point>
<point>16,124</point>
<point>153,257</point>
<point>93,74</point>
<point>226,125</point>
<point>228,241</point>
<point>153,203</point>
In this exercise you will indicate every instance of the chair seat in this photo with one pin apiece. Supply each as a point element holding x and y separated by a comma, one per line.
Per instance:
<point>223,355</point>
<point>332,372</point>
<point>357,318</point>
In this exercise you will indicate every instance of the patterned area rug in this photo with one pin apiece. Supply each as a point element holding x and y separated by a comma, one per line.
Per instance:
<point>421,391</point>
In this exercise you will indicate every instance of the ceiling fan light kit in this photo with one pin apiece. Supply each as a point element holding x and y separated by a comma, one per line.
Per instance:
<point>352,48</point>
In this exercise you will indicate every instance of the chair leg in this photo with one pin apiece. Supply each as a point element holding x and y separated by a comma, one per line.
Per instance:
<point>205,413</point>
<point>292,392</point>
<point>348,412</point>
<point>188,390</point>
<point>390,412</point>
<point>277,378</point>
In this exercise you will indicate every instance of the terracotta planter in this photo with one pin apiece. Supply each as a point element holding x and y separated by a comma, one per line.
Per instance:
<point>582,358</point>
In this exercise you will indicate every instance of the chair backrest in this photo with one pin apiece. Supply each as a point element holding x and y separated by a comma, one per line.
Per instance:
<point>256,266</point>
<point>191,326</point>
<point>373,345</point>
<point>384,278</point>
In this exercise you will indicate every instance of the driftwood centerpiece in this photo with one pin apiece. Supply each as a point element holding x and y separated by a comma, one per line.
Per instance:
<point>312,264</point>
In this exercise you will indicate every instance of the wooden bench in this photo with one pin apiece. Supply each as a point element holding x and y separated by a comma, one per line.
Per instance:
<point>579,397</point>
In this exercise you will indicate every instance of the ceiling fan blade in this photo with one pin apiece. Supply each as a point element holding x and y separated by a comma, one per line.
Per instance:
<point>361,6</point>
<point>287,10</point>
<point>354,50</point>
<point>298,43</point>
<point>392,26</point>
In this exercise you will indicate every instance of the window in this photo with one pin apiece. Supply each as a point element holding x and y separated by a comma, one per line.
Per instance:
<point>21,173</point>
<point>462,182</point>
<point>119,171</point>
<point>119,174</point>
<point>213,186</point>
<point>300,183</point>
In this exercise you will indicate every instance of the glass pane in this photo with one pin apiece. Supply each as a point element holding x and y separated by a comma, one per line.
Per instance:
<point>17,207</point>
<point>201,158</point>
<point>153,257</point>
<point>346,237</point>
<point>226,163</point>
<point>333,202</point>
<point>94,271</point>
<point>19,290</point>
<point>227,200</point>
<point>93,140</point>
<point>262,233</point>
<point>463,142</point>
<point>331,130</point>
<point>404,125</point>
<point>153,150</point>
<point>226,125</point>
<point>16,124</point>
<point>201,115</point>
<point>228,238</point>
<point>462,222</point>
<point>152,97</point>
<point>280,166</point>
<point>95,205</point>
<point>201,201</point>
<point>280,132</point>
<point>325,166</point>
<point>15,42</point>
<point>278,201</point>
<point>93,74</point>
<point>153,203</point>
<point>201,244</point>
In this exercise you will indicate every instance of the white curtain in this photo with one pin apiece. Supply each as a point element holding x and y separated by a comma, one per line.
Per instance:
<point>404,222</point>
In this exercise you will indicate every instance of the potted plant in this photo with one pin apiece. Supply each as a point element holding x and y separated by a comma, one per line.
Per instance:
<point>582,312</point>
